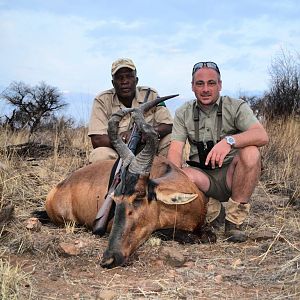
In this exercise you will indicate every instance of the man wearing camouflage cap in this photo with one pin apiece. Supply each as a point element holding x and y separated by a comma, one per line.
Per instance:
<point>125,93</point>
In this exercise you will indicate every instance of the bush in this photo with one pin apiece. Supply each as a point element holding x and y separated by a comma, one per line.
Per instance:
<point>283,98</point>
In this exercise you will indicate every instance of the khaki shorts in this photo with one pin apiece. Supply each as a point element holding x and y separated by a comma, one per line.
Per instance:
<point>105,153</point>
<point>218,187</point>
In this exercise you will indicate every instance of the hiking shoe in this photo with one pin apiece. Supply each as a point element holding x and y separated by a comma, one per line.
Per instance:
<point>234,233</point>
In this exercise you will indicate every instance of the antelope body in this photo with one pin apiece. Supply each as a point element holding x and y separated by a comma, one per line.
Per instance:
<point>153,194</point>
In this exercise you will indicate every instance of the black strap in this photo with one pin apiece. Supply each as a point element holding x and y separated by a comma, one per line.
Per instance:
<point>196,115</point>
<point>112,177</point>
<point>112,173</point>
<point>219,120</point>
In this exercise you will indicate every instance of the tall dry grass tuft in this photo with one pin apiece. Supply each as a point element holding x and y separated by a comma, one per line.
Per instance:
<point>281,172</point>
<point>29,169</point>
<point>28,173</point>
<point>14,283</point>
<point>8,137</point>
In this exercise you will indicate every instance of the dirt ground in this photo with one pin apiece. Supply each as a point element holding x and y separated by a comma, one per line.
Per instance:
<point>63,263</point>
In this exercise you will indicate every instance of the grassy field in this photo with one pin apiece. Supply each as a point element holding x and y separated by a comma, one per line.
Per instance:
<point>33,265</point>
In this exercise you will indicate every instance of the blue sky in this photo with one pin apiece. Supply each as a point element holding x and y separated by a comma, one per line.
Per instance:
<point>71,44</point>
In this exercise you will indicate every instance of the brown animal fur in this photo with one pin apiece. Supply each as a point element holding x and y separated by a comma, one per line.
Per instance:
<point>79,197</point>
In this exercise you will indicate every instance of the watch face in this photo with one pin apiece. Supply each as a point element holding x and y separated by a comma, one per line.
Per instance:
<point>230,140</point>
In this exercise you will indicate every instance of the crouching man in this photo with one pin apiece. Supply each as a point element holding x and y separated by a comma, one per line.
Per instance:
<point>125,93</point>
<point>224,136</point>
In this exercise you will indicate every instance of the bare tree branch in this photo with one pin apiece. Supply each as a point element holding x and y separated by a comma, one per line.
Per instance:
<point>31,105</point>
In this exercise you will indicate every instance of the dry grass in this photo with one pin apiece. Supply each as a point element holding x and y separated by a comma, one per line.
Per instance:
<point>281,158</point>
<point>265,267</point>
<point>13,280</point>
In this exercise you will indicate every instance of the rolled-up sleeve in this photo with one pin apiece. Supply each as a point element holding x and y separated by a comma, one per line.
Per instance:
<point>162,115</point>
<point>179,131</point>
<point>245,117</point>
<point>98,123</point>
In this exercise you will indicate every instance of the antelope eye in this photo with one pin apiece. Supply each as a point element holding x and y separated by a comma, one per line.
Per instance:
<point>138,202</point>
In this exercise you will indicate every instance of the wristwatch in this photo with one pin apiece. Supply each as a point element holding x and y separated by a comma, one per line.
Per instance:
<point>230,140</point>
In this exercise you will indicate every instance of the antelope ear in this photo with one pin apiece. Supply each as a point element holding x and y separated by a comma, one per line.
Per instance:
<point>175,198</point>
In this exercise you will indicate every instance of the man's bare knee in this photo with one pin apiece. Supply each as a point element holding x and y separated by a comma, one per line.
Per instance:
<point>199,178</point>
<point>249,156</point>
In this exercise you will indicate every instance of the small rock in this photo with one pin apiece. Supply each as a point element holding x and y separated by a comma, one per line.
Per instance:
<point>69,249</point>
<point>33,224</point>
<point>80,244</point>
<point>218,278</point>
<point>159,263</point>
<point>189,264</point>
<point>262,235</point>
<point>150,286</point>
<point>211,267</point>
<point>53,277</point>
<point>237,263</point>
<point>172,257</point>
<point>3,166</point>
<point>107,295</point>
<point>171,274</point>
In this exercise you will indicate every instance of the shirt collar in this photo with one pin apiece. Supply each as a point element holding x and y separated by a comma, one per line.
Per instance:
<point>138,97</point>
<point>135,99</point>
<point>217,103</point>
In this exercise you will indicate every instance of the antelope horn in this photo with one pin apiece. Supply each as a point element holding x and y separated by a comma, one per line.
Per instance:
<point>143,161</point>
<point>113,125</point>
<point>148,105</point>
<point>141,164</point>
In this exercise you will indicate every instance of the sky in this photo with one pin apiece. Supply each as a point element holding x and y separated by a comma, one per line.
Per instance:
<point>72,44</point>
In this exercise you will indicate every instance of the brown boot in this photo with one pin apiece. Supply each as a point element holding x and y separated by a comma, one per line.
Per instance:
<point>215,216</point>
<point>219,221</point>
<point>236,214</point>
<point>234,233</point>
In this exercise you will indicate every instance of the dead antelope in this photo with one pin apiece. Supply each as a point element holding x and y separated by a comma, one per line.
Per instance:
<point>153,194</point>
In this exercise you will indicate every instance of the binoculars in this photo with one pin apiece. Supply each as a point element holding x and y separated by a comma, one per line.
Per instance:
<point>203,150</point>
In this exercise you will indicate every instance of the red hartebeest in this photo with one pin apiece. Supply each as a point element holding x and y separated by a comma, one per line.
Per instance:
<point>153,194</point>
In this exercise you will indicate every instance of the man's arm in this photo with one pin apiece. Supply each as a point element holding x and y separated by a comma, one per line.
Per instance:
<point>99,120</point>
<point>255,135</point>
<point>175,153</point>
<point>163,129</point>
<point>100,140</point>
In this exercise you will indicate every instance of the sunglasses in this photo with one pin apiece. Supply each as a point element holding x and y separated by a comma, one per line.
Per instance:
<point>207,64</point>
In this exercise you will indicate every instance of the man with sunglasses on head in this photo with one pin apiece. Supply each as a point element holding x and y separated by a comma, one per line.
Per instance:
<point>125,93</point>
<point>224,137</point>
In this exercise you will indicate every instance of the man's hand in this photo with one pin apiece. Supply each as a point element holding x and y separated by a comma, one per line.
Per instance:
<point>217,154</point>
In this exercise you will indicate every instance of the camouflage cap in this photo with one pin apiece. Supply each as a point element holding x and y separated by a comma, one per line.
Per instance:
<point>122,63</point>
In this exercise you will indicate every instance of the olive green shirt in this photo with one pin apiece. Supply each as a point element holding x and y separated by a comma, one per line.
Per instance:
<point>107,103</point>
<point>237,117</point>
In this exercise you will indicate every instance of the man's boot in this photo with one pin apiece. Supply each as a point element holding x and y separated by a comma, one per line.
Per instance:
<point>215,216</point>
<point>236,214</point>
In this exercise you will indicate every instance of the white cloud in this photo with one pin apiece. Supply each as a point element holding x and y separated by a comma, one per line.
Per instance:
<point>75,52</point>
